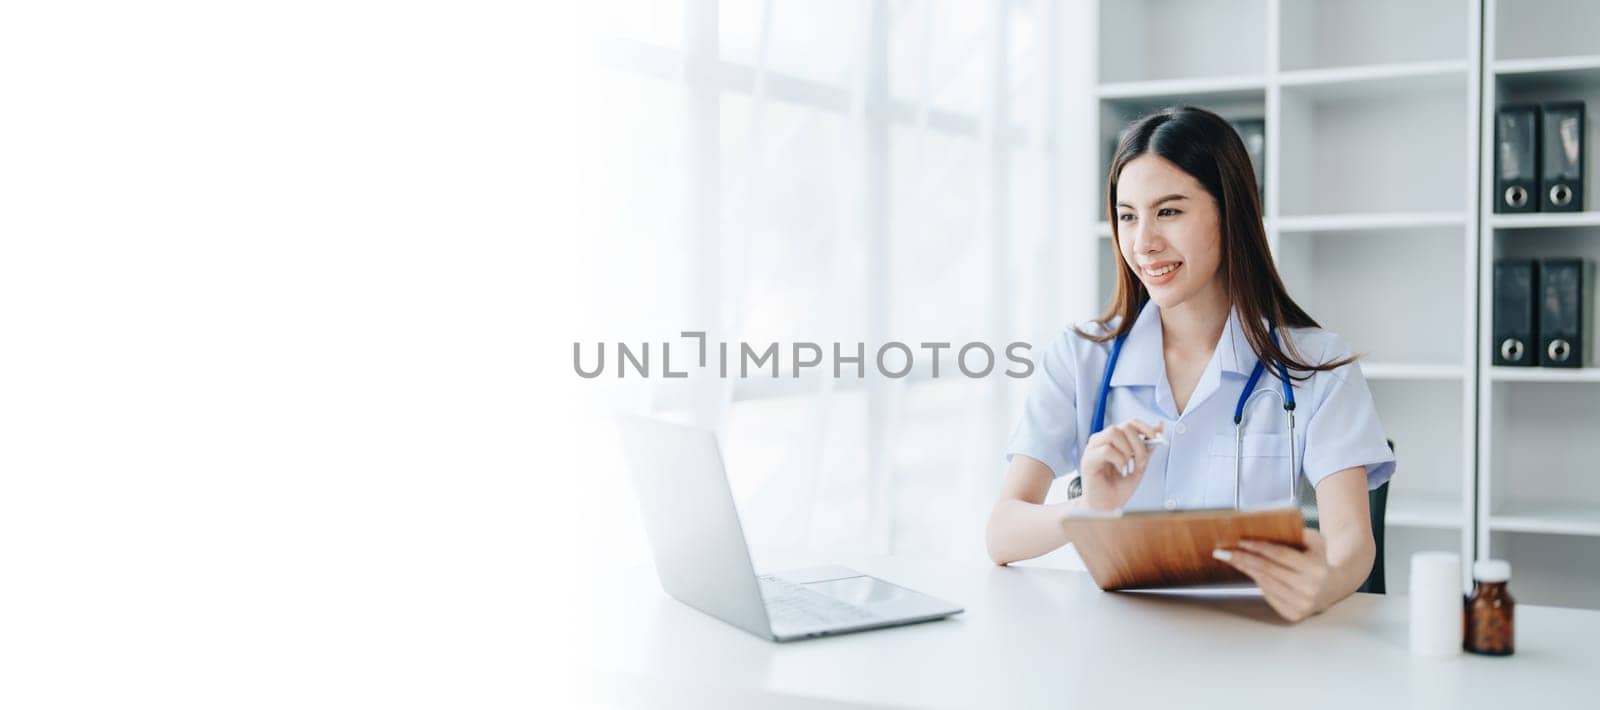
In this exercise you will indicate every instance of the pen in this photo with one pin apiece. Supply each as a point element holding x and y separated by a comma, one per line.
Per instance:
<point>1150,442</point>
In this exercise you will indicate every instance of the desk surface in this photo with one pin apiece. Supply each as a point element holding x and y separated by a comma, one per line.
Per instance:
<point>1035,637</point>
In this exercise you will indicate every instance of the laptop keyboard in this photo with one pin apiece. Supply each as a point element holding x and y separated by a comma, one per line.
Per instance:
<point>791,605</point>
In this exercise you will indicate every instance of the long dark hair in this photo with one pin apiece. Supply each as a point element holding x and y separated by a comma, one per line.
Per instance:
<point>1203,145</point>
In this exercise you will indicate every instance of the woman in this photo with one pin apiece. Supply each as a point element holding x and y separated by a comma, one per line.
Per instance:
<point>1197,299</point>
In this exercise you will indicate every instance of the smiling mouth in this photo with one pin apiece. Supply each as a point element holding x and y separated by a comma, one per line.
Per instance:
<point>1163,271</point>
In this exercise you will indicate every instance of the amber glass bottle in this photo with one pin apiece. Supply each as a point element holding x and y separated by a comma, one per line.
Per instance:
<point>1489,610</point>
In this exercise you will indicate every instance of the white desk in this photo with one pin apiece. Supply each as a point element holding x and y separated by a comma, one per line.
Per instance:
<point>1049,638</point>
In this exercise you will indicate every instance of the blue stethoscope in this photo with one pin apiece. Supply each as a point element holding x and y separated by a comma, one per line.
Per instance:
<point>1249,393</point>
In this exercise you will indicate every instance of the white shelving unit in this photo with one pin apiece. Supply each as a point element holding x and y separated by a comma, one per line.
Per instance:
<point>1538,498</point>
<point>1373,129</point>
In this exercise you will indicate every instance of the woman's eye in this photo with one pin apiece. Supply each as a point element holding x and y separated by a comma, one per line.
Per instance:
<point>1125,217</point>
<point>1166,212</point>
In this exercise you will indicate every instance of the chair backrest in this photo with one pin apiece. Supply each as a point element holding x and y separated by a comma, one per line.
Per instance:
<point>1377,501</point>
<point>1377,505</point>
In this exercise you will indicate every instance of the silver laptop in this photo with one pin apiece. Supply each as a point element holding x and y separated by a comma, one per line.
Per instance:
<point>702,559</point>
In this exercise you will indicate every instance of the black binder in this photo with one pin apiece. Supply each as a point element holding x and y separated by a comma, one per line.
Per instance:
<point>1516,159</point>
<point>1561,159</point>
<point>1516,312</point>
<point>1562,329</point>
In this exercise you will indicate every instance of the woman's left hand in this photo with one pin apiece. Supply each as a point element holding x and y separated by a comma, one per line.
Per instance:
<point>1295,582</point>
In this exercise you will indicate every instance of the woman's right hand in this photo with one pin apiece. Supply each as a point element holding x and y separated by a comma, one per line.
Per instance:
<point>1105,458</point>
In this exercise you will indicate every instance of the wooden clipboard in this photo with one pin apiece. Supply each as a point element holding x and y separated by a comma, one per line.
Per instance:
<point>1173,549</point>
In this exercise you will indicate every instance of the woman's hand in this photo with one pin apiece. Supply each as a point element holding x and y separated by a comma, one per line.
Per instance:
<point>1296,583</point>
<point>1108,483</point>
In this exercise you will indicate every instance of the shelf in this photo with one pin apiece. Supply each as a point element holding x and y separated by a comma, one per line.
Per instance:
<point>1411,371</point>
<point>1405,509</point>
<point>1357,222</point>
<point>1551,517</point>
<point>1376,80</point>
<point>1589,63</point>
<point>1546,65</point>
<point>1541,220</point>
<point>1549,74</point>
<point>1203,90</point>
<point>1544,374</point>
<point>1416,510</point>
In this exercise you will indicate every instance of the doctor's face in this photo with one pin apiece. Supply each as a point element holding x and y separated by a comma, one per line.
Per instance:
<point>1169,229</point>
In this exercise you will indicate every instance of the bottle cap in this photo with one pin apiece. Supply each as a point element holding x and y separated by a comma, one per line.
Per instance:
<point>1491,571</point>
